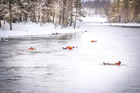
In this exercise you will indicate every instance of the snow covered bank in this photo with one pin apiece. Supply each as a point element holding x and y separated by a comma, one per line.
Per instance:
<point>27,29</point>
<point>94,19</point>
<point>131,25</point>
<point>99,20</point>
<point>135,25</point>
<point>24,29</point>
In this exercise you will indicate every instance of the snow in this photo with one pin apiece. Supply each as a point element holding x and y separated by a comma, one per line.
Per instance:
<point>94,19</point>
<point>126,24</point>
<point>99,20</point>
<point>135,25</point>
<point>29,28</point>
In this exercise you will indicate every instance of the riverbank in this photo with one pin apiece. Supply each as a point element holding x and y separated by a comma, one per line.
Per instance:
<point>34,29</point>
<point>99,20</point>
<point>130,25</point>
<point>27,29</point>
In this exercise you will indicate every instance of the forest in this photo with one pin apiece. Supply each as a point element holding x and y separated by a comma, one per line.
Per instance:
<point>58,12</point>
<point>117,11</point>
<point>67,12</point>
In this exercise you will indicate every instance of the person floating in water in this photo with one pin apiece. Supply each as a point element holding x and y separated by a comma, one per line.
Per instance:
<point>69,47</point>
<point>94,41</point>
<point>31,48</point>
<point>118,63</point>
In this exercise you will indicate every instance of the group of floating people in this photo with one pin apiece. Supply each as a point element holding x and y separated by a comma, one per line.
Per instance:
<point>71,47</point>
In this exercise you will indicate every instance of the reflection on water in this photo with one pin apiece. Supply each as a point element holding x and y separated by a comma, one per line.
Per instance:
<point>50,69</point>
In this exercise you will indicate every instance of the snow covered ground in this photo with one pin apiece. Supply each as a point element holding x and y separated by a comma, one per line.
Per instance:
<point>131,25</point>
<point>24,29</point>
<point>98,20</point>
<point>94,19</point>
<point>28,29</point>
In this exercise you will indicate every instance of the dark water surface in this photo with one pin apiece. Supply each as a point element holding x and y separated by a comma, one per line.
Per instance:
<point>51,69</point>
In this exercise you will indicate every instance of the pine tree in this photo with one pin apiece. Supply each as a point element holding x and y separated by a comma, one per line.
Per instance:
<point>4,11</point>
<point>97,6</point>
<point>63,12</point>
<point>106,9</point>
<point>56,13</point>
<point>126,10</point>
<point>71,12</point>
<point>77,11</point>
<point>137,11</point>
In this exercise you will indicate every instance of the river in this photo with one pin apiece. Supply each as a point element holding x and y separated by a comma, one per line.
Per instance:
<point>51,69</point>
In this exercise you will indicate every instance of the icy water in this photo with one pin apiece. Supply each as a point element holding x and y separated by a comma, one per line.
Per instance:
<point>51,69</point>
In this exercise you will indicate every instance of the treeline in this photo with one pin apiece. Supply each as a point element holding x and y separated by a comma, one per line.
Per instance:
<point>96,6</point>
<point>124,11</point>
<point>117,11</point>
<point>58,12</point>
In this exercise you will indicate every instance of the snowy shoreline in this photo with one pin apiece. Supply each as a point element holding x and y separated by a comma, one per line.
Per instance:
<point>99,20</point>
<point>33,29</point>
<point>130,25</point>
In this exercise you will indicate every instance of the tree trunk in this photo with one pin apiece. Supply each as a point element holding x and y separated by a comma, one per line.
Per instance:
<point>0,23</point>
<point>75,19</point>
<point>71,10</point>
<point>0,14</point>
<point>137,11</point>
<point>10,14</point>
<point>63,17</point>
<point>60,19</point>
<point>4,20</point>
<point>71,19</point>
<point>54,17</point>
<point>63,13</point>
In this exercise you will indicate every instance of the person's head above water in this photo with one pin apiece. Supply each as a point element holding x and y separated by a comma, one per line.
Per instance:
<point>119,62</point>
